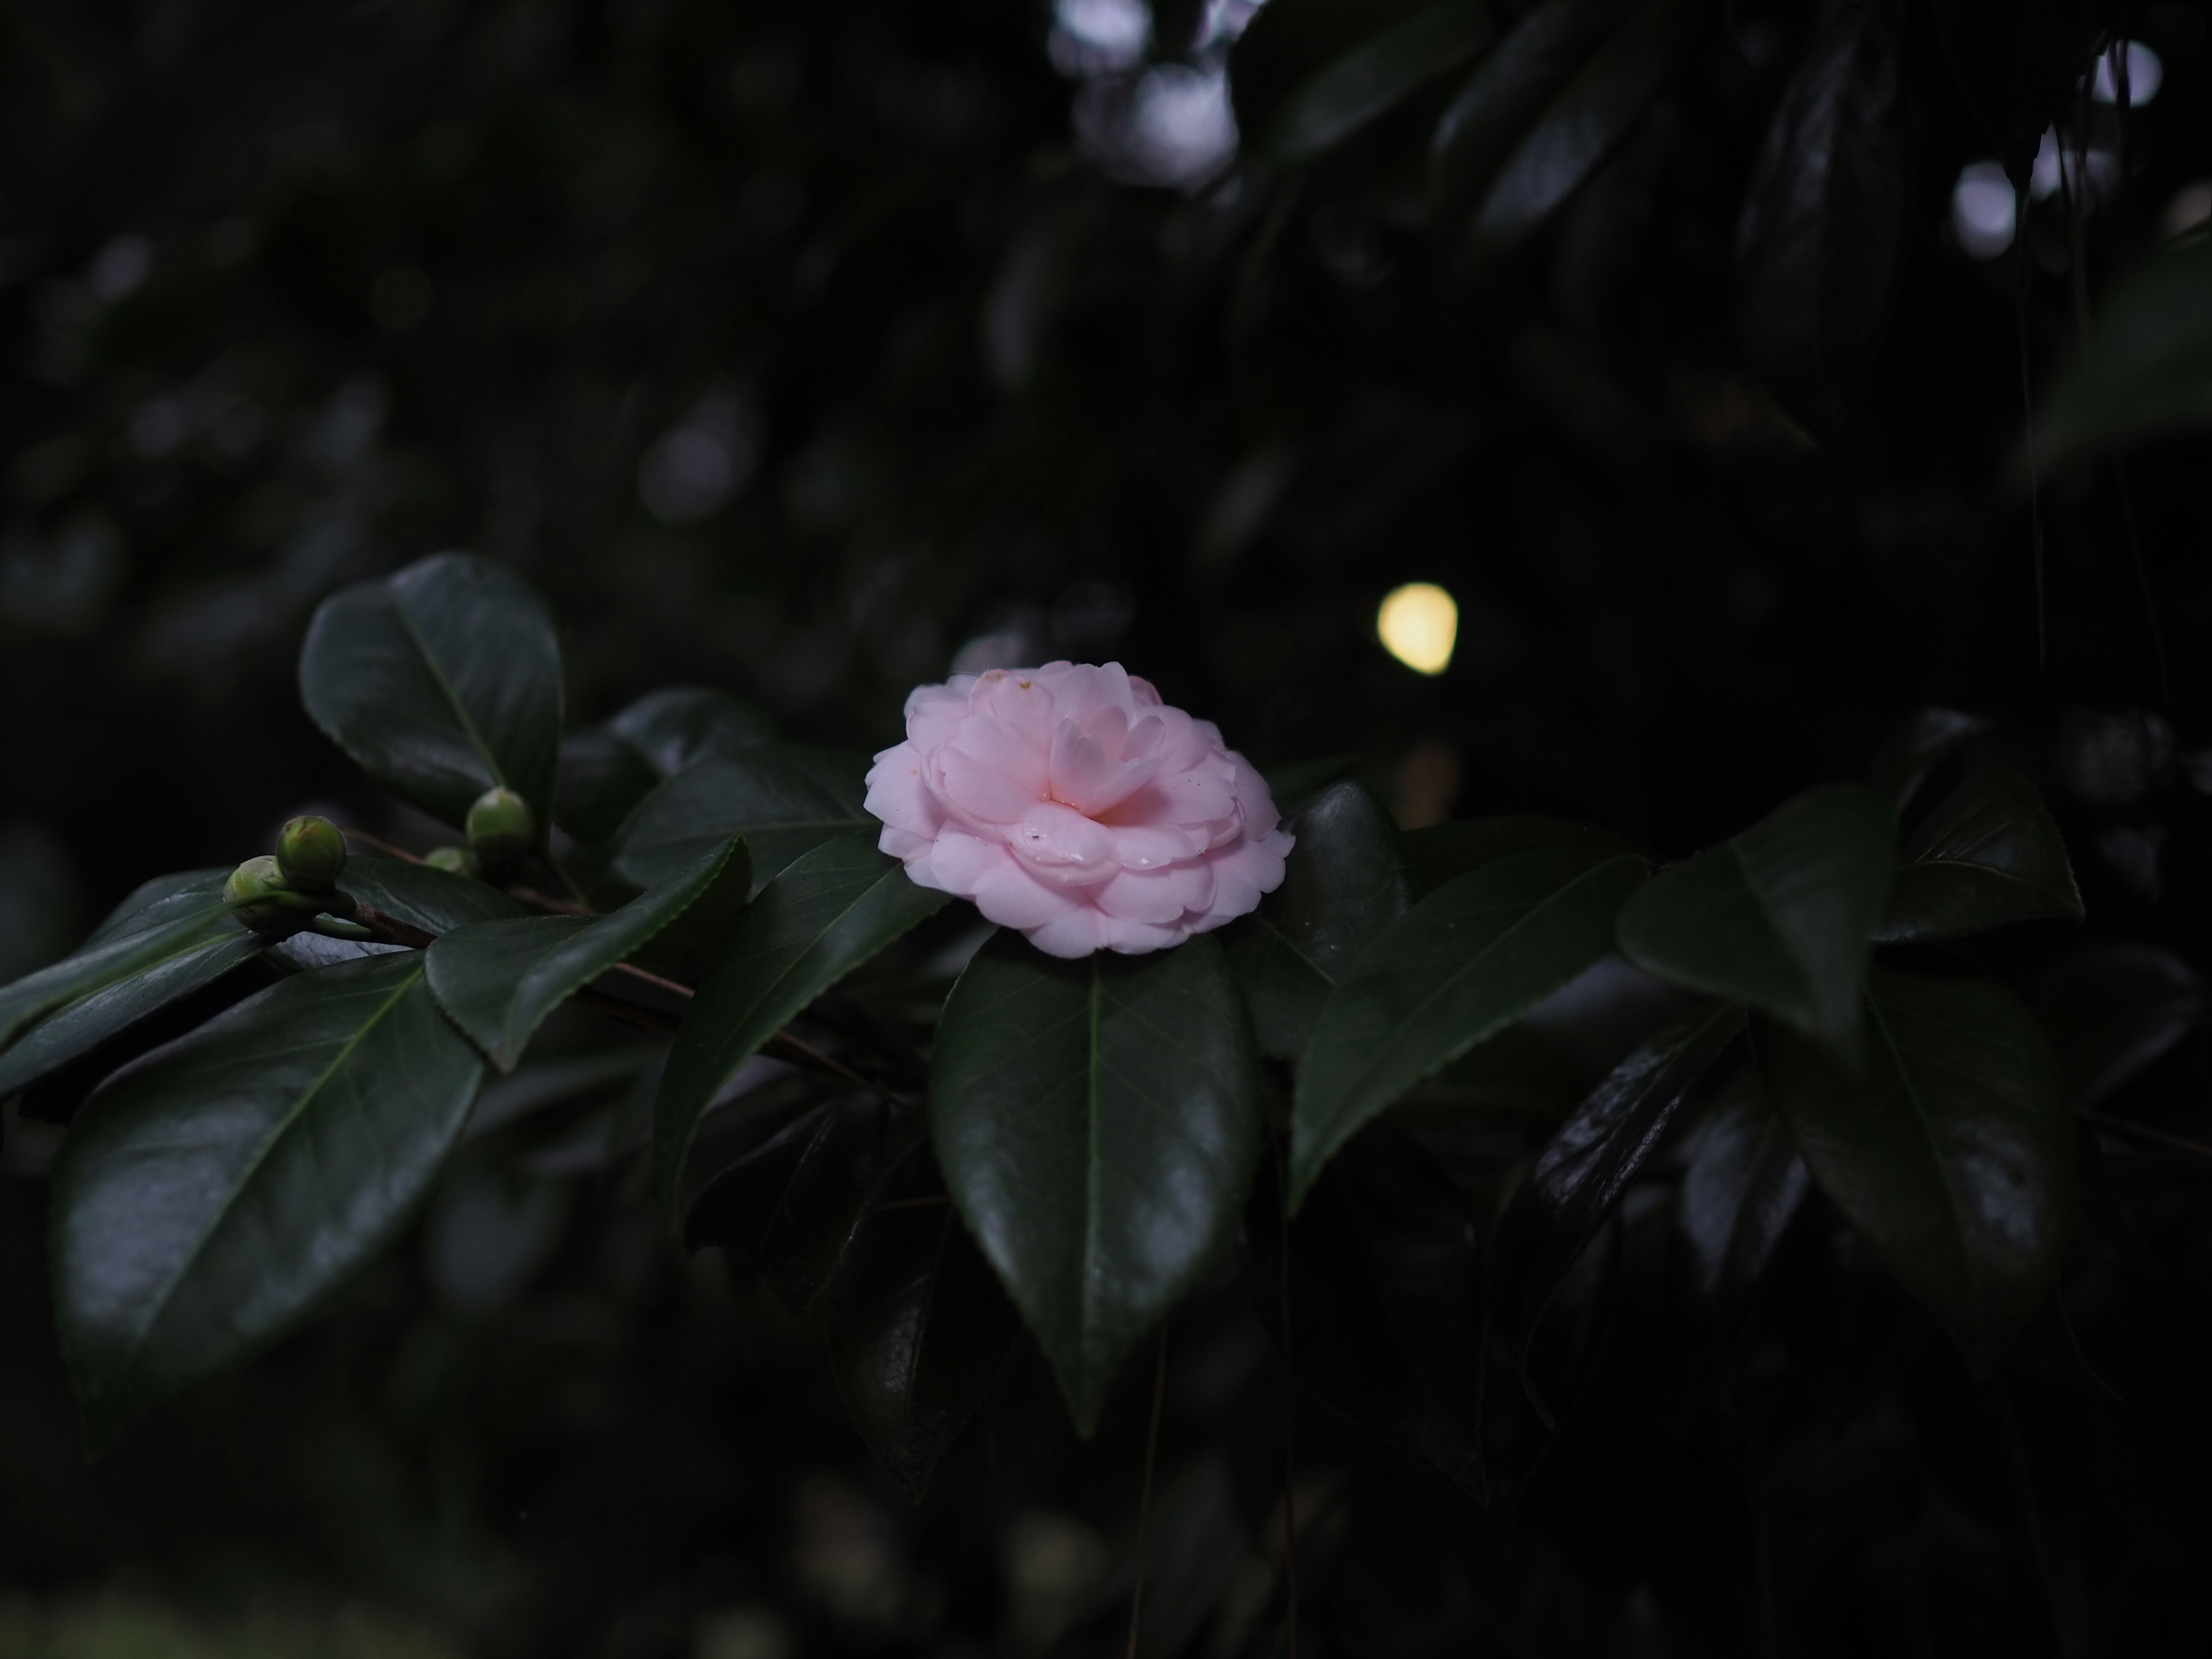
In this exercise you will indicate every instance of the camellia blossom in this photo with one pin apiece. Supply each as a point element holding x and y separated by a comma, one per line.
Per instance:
<point>1070,803</point>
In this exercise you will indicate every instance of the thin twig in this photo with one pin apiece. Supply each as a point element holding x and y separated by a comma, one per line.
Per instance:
<point>630,1014</point>
<point>380,844</point>
<point>1145,1498</point>
<point>807,1054</point>
<point>392,928</point>
<point>1289,1424</point>
<point>547,902</point>
<point>674,987</point>
<point>2143,1132</point>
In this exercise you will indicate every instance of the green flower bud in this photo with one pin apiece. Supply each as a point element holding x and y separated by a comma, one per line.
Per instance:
<point>458,859</point>
<point>261,899</point>
<point>502,827</point>
<point>311,852</point>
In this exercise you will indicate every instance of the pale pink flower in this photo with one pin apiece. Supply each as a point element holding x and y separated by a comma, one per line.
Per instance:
<point>1073,804</point>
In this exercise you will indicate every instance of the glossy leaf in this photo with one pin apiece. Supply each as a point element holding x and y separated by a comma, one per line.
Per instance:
<point>498,981</point>
<point>787,1208</point>
<point>1343,883</point>
<point>1293,784</point>
<point>1375,76</point>
<point>784,801</point>
<point>1506,94</point>
<point>2112,1010</point>
<point>182,915</point>
<point>441,682</point>
<point>1579,1179</point>
<point>918,1325</point>
<point>675,728</point>
<point>212,1195</point>
<point>1743,1184</point>
<point>831,911</point>
<point>1438,853</point>
<point>1097,1122</point>
<point>1952,1150</point>
<point>1782,916</point>
<point>1468,959</point>
<point>2147,365</point>
<point>1580,128</point>
<point>436,901</point>
<point>1819,246</point>
<point>1386,1292</point>
<point>1988,855</point>
<point>78,1027</point>
<point>1923,741</point>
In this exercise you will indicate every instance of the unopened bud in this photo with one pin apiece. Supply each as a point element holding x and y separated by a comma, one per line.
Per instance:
<point>502,827</point>
<point>458,859</point>
<point>261,899</point>
<point>311,852</point>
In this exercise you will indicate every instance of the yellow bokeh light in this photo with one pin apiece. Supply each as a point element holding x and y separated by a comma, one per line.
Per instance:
<point>1419,624</point>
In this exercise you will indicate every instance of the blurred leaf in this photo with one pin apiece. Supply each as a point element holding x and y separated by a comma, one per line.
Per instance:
<point>2112,1010</point>
<point>79,1027</point>
<point>1954,1151</point>
<point>1782,916</point>
<point>212,1195</point>
<point>1743,1184</point>
<point>602,781</point>
<point>436,901</point>
<point>1819,247</point>
<point>1577,130</point>
<point>1577,1180</point>
<point>2016,62</point>
<point>1292,785</point>
<point>918,1326</point>
<point>1923,741</point>
<point>1097,1122</point>
<point>1436,853</point>
<point>1343,883</point>
<point>787,1208</point>
<point>1506,94</point>
<point>1468,959</point>
<point>2147,365</point>
<point>1196,1543</point>
<point>1289,43</point>
<point>784,801</point>
<point>831,911</point>
<point>186,916</point>
<point>498,981</point>
<point>1990,854</point>
<point>1386,1297</point>
<point>1374,77</point>
<point>674,729</point>
<point>441,682</point>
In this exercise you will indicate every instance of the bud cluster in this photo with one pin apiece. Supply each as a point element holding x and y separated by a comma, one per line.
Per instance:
<point>282,893</point>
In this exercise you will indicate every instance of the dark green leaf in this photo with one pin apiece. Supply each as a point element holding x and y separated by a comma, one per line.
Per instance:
<point>2147,365</point>
<point>436,901</point>
<point>1292,785</point>
<point>1952,1150</point>
<point>2112,1010</point>
<point>1345,882</point>
<point>1474,955</point>
<point>784,801</point>
<point>1375,76</point>
<point>1743,1183</point>
<point>831,911</point>
<point>1990,854</point>
<point>498,981</point>
<point>1923,741</point>
<point>1097,1122</point>
<point>212,1195</point>
<point>1782,916</point>
<point>441,682</point>
<point>1578,1178</point>
<point>1579,128</point>
<point>1506,94</point>
<point>1289,42</point>
<point>918,1325</point>
<point>186,916</point>
<point>602,781</point>
<point>1196,1541</point>
<point>675,729</point>
<point>79,1027</point>
<point>1440,852</point>
<point>1386,1289</point>
<point>1823,225</point>
<point>787,1208</point>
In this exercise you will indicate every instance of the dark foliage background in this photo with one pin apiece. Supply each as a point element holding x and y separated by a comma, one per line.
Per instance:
<point>793,349</point>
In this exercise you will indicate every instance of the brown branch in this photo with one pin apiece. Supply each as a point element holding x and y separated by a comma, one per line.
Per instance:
<point>390,928</point>
<point>379,843</point>
<point>547,902</point>
<point>630,1014</point>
